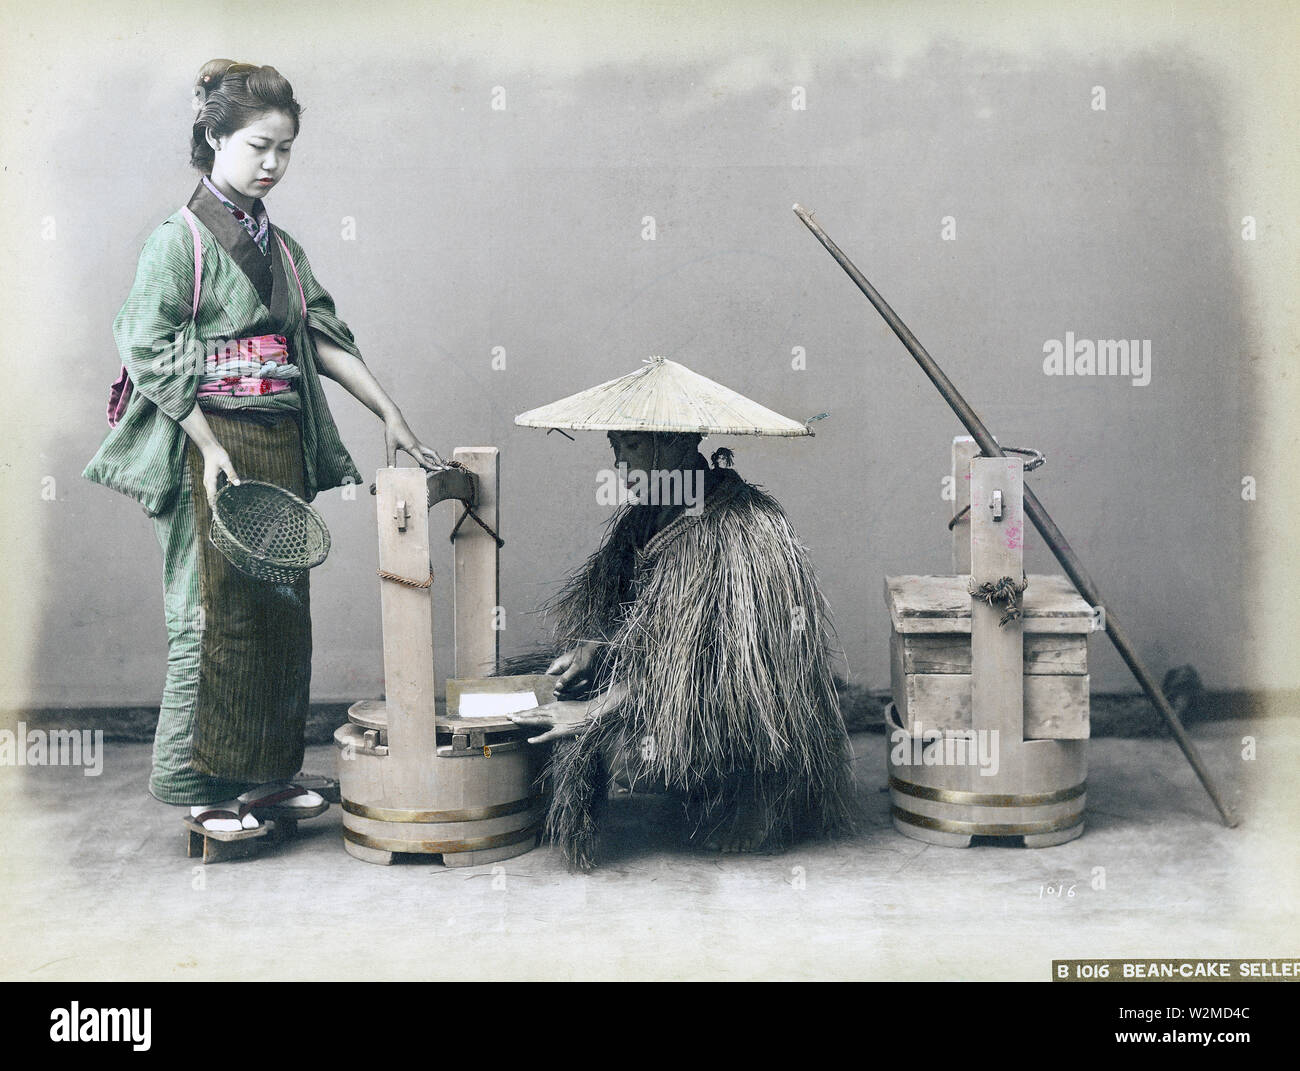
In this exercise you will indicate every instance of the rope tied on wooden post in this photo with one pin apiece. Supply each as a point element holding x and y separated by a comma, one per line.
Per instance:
<point>398,579</point>
<point>1005,591</point>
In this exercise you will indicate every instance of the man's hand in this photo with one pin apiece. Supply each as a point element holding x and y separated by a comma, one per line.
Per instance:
<point>560,719</point>
<point>575,669</point>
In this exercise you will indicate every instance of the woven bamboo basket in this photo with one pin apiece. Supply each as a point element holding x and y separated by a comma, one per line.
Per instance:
<point>267,532</point>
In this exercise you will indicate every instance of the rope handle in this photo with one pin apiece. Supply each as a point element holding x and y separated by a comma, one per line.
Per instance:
<point>469,512</point>
<point>1036,461</point>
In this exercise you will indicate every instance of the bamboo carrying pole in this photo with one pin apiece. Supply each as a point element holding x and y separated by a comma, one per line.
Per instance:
<point>1051,534</point>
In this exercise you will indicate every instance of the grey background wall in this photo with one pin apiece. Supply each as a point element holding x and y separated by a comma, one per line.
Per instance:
<point>522,228</point>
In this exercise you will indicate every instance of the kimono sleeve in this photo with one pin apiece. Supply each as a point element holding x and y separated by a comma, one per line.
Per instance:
<point>154,330</point>
<point>321,314</point>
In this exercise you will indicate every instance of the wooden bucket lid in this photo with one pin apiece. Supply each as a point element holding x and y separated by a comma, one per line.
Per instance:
<point>373,713</point>
<point>942,604</point>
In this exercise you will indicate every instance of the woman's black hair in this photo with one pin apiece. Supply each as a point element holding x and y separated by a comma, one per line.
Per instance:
<point>232,96</point>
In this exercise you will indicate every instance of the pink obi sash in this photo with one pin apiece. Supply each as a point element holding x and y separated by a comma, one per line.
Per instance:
<point>249,366</point>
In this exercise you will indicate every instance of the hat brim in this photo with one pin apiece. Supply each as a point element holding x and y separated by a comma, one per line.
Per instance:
<point>662,396</point>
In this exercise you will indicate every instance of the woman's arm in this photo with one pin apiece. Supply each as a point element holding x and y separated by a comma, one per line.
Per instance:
<point>352,374</point>
<point>215,458</point>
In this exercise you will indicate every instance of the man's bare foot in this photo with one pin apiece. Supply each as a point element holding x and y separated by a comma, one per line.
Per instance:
<point>744,830</point>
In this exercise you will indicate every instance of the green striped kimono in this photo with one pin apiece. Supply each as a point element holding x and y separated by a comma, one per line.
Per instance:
<point>239,650</point>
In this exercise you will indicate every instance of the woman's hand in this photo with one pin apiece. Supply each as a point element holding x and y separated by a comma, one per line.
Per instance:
<point>399,436</point>
<point>215,459</point>
<point>575,669</point>
<point>215,462</point>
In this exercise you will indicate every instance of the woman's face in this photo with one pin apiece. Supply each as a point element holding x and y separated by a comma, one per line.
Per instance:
<point>251,161</point>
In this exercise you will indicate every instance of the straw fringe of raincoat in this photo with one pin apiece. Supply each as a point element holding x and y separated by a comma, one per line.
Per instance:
<point>721,636</point>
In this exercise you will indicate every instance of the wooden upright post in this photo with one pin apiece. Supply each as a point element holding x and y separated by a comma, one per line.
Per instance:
<point>407,610</point>
<point>997,538</point>
<point>477,580</point>
<point>964,449</point>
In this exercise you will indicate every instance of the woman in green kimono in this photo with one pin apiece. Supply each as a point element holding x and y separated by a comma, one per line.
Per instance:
<point>223,344</point>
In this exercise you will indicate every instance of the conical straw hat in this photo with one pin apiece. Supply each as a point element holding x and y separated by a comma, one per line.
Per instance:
<point>662,395</point>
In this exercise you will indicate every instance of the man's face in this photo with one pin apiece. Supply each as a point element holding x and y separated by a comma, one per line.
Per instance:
<point>253,160</point>
<point>635,449</point>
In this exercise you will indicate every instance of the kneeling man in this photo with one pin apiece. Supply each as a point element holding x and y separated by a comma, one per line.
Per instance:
<point>698,628</point>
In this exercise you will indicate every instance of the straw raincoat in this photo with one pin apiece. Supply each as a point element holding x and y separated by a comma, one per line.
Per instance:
<point>714,624</point>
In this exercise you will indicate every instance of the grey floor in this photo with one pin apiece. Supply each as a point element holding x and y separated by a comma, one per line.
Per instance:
<point>96,886</point>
